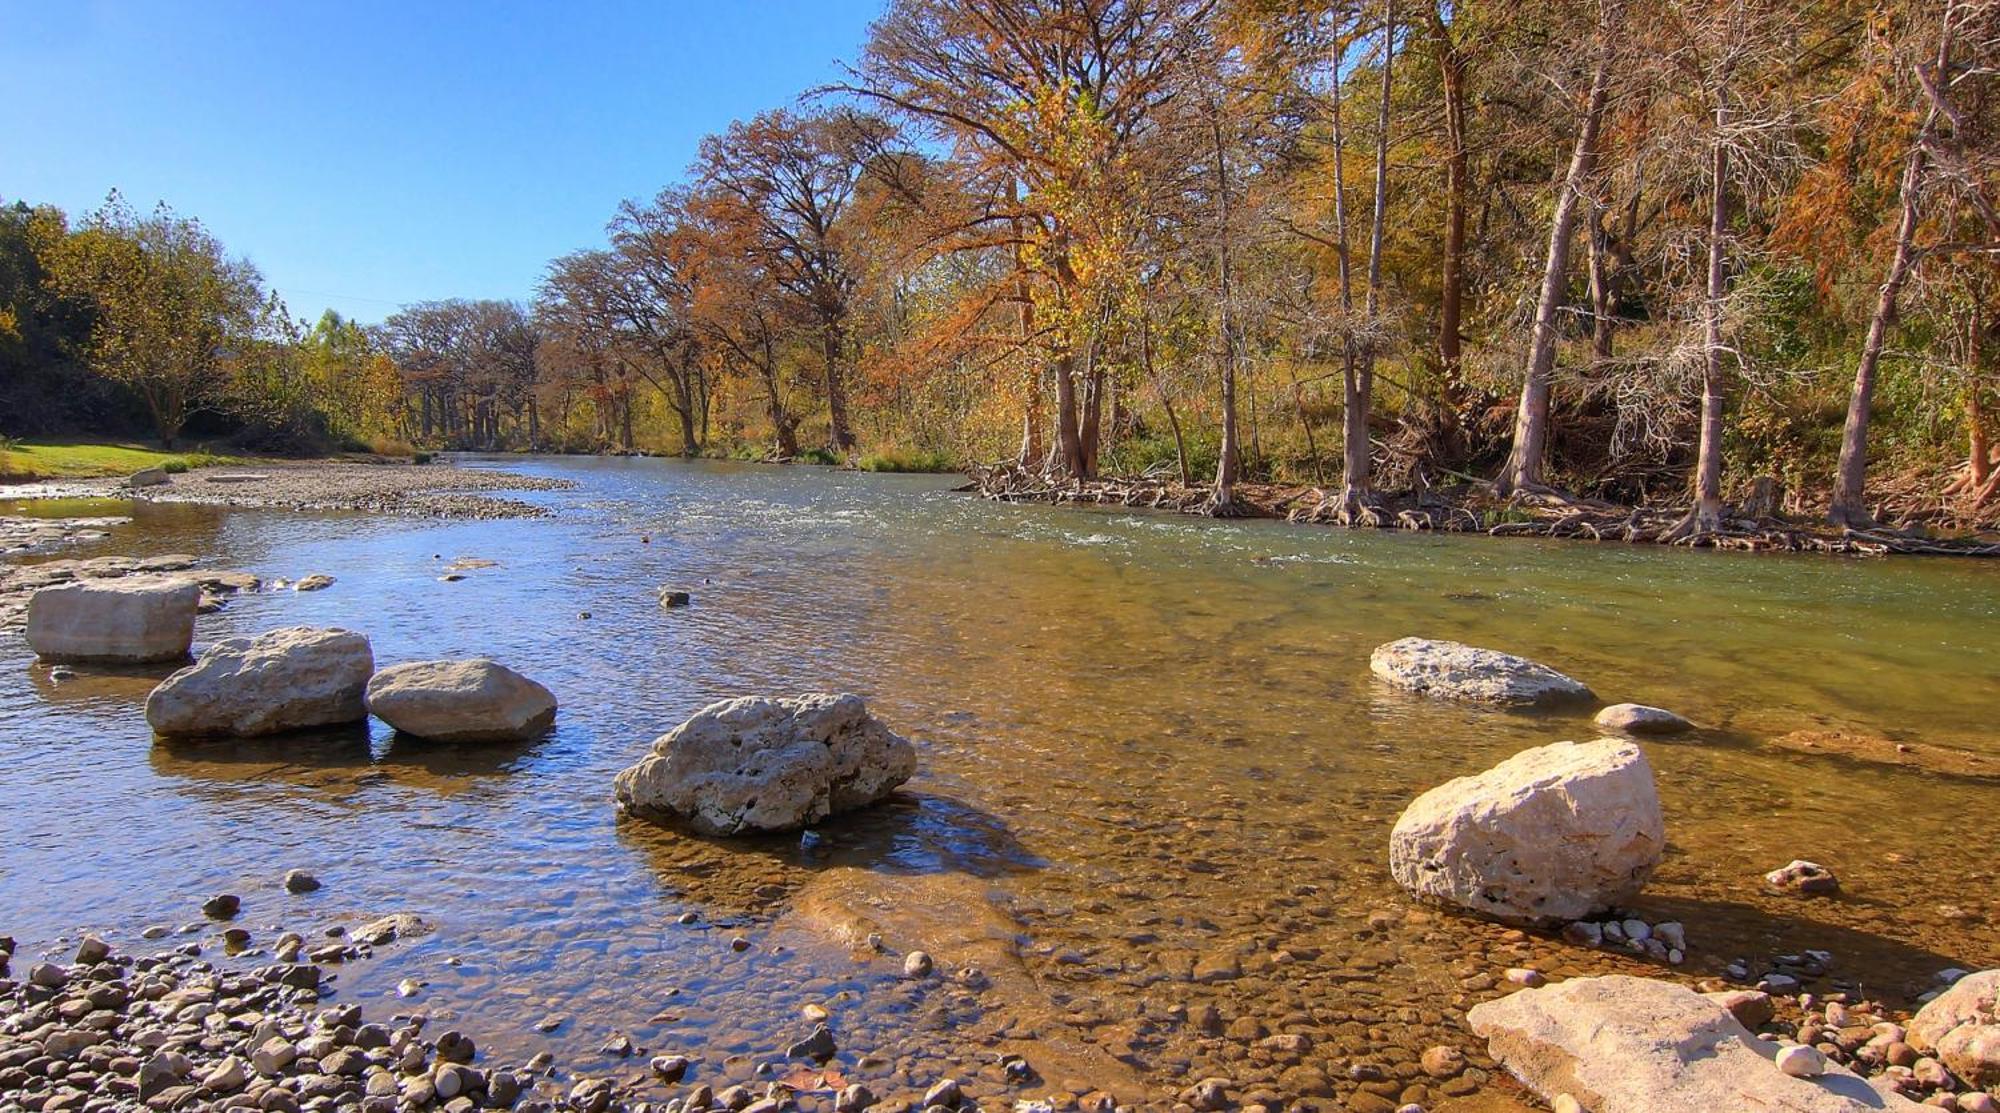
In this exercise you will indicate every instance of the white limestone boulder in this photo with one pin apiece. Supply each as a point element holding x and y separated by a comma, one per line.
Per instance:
<point>1553,834</point>
<point>757,764</point>
<point>278,681</point>
<point>130,620</point>
<point>1620,1044</point>
<point>1962,1027</point>
<point>1452,670</point>
<point>477,700</point>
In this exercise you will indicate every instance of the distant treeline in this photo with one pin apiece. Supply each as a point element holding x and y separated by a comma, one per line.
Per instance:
<point>1648,252</point>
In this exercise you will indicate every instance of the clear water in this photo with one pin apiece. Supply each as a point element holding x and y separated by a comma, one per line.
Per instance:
<point>1148,742</point>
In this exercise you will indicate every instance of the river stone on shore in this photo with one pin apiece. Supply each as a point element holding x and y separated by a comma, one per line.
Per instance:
<point>477,700</point>
<point>1963,1026</point>
<point>1552,834</point>
<point>278,681</point>
<point>125,621</point>
<point>757,764</point>
<point>1620,1044</point>
<point>1638,718</point>
<point>1451,670</point>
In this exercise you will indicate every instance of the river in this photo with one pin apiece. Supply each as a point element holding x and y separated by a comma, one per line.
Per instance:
<point>1150,745</point>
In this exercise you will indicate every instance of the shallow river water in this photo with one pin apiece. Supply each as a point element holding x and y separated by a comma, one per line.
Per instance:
<point>1157,778</point>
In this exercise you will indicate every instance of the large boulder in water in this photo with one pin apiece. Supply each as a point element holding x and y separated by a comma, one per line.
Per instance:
<point>277,681</point>
<point>1553,834</point>
<point>1452,670</point>
<point>1620,1044</point>
<point>123,621</point>
<point>477,700</point>
<point>757,764</point>
<point>1962,1025</point>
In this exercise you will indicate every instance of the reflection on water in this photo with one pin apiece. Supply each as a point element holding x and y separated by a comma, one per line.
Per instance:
<point>1157,777</point>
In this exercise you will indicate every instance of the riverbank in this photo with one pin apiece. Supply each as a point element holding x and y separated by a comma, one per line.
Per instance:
<point>1467,508</point>
<point>41,461</point>
<point>417,490</point>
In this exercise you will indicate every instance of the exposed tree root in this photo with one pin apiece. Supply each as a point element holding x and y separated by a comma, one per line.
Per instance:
<point>1472,508</point>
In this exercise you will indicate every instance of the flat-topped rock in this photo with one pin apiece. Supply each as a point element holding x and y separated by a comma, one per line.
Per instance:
<point>1638,718</point>
<point>477,700</point>
<point>1620,1044</point>
<point>278,681</point>
<point>757,764</point>
<point>234,477</point>
<point>1452,670</point>
<point>1553,834</point>
<point>126,621</point>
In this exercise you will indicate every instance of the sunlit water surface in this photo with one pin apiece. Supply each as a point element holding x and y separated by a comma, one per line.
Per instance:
<point>1151,749</point>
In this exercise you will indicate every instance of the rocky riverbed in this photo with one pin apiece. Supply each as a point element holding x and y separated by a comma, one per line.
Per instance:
<point>427,490</point>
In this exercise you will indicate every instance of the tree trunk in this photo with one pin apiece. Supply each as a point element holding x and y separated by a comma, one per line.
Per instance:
<point>1357,496</point>
<point>1166,403</point>
<point>783,425</point>
<point>1451,67</point>
<point>1523,469</point>
<point>840,436</point>
<point>1979,456</point>
<point>1706,516</point>
<point>1069,442</point>
<point>1228,461</point>
<point>1601,302</point>
<point>1849,507</point>
<point>1091,431</point>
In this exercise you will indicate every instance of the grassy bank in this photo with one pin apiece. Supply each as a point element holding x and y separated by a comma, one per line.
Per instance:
<point>25,461</point>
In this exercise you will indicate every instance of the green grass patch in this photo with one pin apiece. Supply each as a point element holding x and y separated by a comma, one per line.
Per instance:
<point>21,461</point>
<point>907,460</point>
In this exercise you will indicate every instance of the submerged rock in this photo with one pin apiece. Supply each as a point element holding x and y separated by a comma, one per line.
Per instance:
<point>129,620</point>
<point>1638,718</point>
<point>1634,1045</point>
<point>1962,1026</point>
<point>1801,876</point>
<point>757,764</point>
<point>1550,835</point>
<point>277,681</point>
<point>477,700</point>
<point>1451,670</point>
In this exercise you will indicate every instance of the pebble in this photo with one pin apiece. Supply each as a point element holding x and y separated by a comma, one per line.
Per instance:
<point>1801,1062</point>
<point>945,1093</point>
<point>818,1047</point>
<point>1524,976</point>
<point>299,881</point>
<point>222,906</point>
<point>917,964</point>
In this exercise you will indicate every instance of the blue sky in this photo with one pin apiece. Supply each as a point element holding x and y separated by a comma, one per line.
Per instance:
<point>369,154</point>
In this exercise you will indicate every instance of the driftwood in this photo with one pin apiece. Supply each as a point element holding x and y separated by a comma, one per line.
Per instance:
<point>1471,508</point>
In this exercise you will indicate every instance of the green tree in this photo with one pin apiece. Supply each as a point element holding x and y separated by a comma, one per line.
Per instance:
<point>169,307</point>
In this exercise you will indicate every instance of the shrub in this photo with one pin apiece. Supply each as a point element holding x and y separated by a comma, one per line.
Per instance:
<point>176,466</point>
<point>1155,455</point>
<point>390,446</point>
<point>815,456</point>
<point>907,460</point>
<point>421,457</point>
